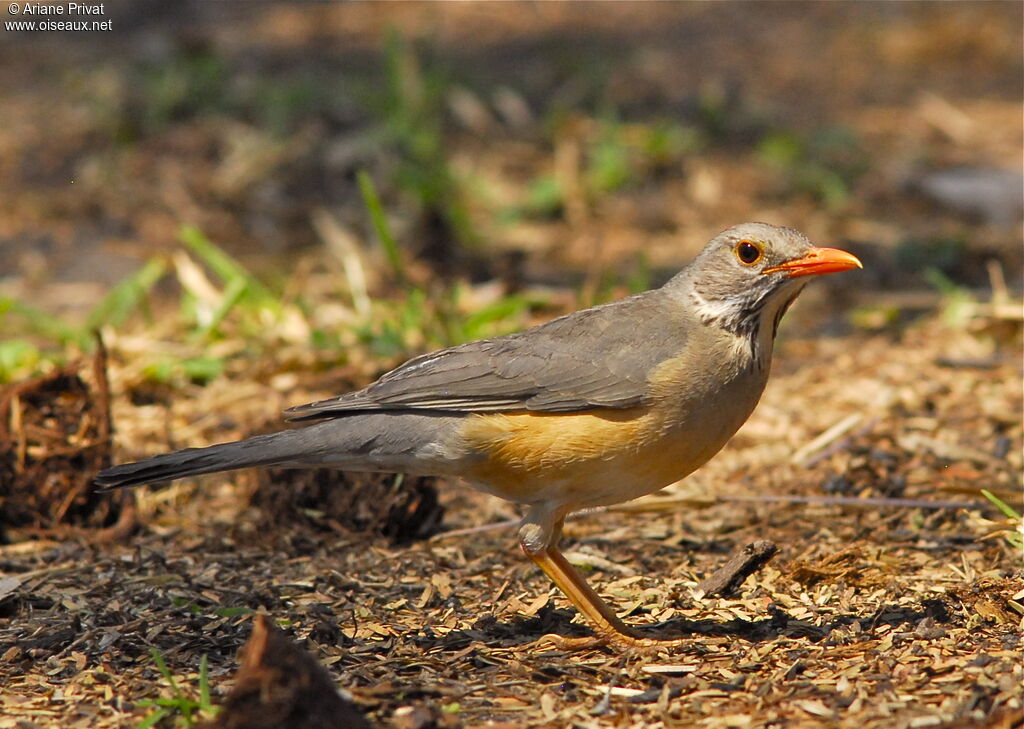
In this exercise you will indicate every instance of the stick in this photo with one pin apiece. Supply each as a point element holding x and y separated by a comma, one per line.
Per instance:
<point>727,578</point>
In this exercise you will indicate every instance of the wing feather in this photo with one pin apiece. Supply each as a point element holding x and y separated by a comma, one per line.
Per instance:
<point>595,358</point>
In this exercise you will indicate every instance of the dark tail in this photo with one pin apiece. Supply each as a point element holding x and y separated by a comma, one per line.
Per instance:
<point>390,442</point>
<point>261,450</point>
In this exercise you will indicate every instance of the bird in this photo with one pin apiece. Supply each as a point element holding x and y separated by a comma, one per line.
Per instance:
<point>590,409</point>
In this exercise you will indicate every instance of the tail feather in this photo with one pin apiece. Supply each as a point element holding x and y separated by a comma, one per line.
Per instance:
<point>389,442</point>
<point>261,450</point>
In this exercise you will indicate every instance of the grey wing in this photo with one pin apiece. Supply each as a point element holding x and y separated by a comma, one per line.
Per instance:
<point>595,358</point>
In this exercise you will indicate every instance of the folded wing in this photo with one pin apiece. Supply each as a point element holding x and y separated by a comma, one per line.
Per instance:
<point>596,358</point>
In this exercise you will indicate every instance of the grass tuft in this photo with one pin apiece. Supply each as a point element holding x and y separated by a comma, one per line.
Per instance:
<point>179,706</point>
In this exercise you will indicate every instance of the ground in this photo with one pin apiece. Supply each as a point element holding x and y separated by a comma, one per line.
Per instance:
<point>570,155</point>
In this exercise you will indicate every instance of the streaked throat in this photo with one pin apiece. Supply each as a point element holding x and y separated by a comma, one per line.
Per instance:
<point>752,317</point>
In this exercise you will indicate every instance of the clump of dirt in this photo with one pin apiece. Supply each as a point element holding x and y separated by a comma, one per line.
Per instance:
<point>994,599</point>
<point>851,565</point>
<point>54,436</point>
<point>281,685</point>
<point>402,509</point>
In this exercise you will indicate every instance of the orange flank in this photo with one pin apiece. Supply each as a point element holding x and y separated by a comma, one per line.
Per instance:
<point>588,459</point>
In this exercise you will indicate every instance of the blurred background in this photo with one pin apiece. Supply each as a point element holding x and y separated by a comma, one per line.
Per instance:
<point>487,157</point>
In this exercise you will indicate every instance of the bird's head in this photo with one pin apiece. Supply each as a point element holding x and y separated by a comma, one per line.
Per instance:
<point>750,273</point>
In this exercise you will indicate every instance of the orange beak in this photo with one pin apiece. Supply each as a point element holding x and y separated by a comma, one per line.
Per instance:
<point>816,262</point>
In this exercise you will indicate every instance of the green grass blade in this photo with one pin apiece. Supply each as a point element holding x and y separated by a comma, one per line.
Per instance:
<point>153,719</point>
<point>165,671</point>
<point>1008,511</point>
<point>204,683</point>
<point>380,224</point>
<point>232,295</point>
<point>44,325</point>
<point>125,297</point>
<point>227,268</point>
<point>18,358</point>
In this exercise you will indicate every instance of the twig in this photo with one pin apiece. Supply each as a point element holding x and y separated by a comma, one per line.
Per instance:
<point>832,434</point>
<point>862,501</point>
<point>99,373</point>
<point>661,504</point>
<point>727,578</point>
<point>1000,292</point>
<point>471,531</point>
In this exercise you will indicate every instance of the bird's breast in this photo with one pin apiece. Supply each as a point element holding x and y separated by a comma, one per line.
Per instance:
<point>607,456</point>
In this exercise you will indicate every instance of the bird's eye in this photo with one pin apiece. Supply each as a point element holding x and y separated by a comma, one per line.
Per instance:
<point>748,253</point>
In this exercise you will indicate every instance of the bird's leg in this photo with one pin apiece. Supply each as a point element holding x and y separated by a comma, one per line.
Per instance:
<point>571,582</point>
<point>541,546</point>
